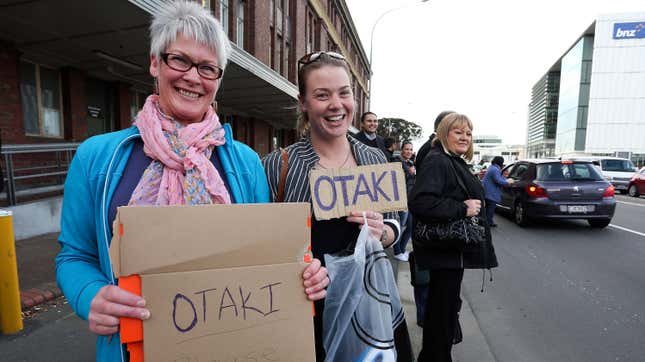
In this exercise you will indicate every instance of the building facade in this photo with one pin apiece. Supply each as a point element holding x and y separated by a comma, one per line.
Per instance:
<point>485,147</point>
<point>73,69</point>
<point>543,115</point>
<point>601,96</point>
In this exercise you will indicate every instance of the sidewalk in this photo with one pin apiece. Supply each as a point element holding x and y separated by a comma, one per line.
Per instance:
<point>37,278</point>
<point>37,270</point>
<point>473,348</point>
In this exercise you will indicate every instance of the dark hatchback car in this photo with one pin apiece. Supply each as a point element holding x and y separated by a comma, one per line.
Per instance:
<point>555,189</point>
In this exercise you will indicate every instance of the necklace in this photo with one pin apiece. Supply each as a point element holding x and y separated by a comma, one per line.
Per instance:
<point>349,152</point>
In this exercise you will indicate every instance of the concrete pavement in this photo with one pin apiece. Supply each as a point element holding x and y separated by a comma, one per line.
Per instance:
<point>473,348</point>
<point>36,269</point>
<point>37,276</point>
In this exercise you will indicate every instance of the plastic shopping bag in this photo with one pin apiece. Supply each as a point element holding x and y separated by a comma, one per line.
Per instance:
<point>362,307</point>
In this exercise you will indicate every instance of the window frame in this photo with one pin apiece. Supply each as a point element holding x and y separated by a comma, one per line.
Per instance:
<point>241,5</point>
<point>39,101</point>
<point>223,14</point>
<point>513,173</point>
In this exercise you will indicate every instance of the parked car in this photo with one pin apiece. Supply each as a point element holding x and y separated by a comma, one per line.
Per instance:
<point>616,170</point>
<point>636,185</point>
<point>555,189</point>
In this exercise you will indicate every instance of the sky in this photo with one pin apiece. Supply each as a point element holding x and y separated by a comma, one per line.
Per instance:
<point>479,58</point>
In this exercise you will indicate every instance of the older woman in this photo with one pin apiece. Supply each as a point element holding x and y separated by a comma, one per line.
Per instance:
<point>176,153</point>
<point>438,197</point>
<point>327,106</point>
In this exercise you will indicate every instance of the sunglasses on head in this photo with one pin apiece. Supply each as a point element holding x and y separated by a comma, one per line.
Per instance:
<point>312,57</point>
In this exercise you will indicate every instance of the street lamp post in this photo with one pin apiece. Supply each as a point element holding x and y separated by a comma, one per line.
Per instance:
<point>369,86</point>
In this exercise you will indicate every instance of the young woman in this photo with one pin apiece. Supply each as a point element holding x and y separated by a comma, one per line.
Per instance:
<point>327,106</point>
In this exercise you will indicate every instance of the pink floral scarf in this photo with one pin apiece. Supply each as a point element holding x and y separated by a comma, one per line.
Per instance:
<point>181,171</point>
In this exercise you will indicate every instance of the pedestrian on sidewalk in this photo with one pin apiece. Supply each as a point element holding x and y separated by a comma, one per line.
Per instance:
<point>428,145</point>
<point>390,147</point>
<point>327,106</point>
<point>176,128</point>
<point>445,191</point>
<point>493,182</point>
<point>420,277</point>
<point>405,218</point>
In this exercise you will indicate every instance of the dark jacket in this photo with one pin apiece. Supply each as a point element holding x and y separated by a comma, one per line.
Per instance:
<point>409,177</point>
<point>424,150</point>
<point>379,143</point>
<point>437,197</point>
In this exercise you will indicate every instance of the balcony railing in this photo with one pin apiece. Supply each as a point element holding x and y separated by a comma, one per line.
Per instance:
<point>32,170</point>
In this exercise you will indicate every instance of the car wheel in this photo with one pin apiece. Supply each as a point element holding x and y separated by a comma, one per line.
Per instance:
<point>599,223</point>
<point>520,214</point>
<point>633,191</point>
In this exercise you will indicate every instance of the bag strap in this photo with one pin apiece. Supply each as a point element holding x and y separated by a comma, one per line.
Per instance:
<point>459,180</point>
<point>284,167</point>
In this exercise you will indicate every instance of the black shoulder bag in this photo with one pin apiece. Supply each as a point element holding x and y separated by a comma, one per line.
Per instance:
<point>453,235</point>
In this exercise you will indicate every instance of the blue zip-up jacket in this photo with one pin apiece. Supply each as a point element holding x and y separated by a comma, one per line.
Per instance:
<point>493,182</point>
<point>83,264</point>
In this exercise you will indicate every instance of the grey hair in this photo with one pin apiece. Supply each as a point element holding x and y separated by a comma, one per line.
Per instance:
<point>191,20</point>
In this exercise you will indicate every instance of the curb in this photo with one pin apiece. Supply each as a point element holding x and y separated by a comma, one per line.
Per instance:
<point>39,295</point>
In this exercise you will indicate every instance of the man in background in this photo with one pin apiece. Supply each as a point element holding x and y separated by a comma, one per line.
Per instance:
<point>405,218</point>
<point>367,135</point>
<point>423,151</point>
<point>390,144</point>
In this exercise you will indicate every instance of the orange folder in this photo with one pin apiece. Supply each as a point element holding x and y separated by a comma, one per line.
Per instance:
<point>132,328</point>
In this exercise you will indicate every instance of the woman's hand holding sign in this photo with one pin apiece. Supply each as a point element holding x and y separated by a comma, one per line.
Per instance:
<point>112,303</point>
<point>315,280</point>
<point>376,225</point>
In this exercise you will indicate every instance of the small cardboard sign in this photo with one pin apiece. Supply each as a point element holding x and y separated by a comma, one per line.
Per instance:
<point>336,192</point>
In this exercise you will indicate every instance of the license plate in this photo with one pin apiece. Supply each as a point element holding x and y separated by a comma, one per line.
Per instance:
<point>578,208</point>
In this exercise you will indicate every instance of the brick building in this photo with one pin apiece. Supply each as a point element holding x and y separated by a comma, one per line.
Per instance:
<point>75,68</point>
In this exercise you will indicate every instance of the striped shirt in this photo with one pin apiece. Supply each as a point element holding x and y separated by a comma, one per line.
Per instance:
<point>303,158</point>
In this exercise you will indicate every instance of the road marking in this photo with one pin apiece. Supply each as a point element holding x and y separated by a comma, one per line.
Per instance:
<point>626,229</point>
<point>630,203</point>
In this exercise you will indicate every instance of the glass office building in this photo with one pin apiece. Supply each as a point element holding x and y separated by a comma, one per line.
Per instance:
<point>600,97</point>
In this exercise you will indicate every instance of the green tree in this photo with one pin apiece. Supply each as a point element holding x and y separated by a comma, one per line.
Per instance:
<point>398,128</point>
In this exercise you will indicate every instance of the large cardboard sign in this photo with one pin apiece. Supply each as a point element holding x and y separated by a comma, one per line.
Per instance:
<point>336,192</point>
<point>222,282</point>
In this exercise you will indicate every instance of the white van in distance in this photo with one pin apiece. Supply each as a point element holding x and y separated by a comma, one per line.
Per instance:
<point>616,170</point>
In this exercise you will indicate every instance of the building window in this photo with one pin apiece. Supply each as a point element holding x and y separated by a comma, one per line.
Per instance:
<point>272,32</point>
<point>279,56</point>
<point>287,52</point>
<point>272,47</point>
<point>310,27</point>
<point>40,93</point>
<point>287,21</point>
<point>223,15</point>
<point>279,18</point>
<point>240,23</point>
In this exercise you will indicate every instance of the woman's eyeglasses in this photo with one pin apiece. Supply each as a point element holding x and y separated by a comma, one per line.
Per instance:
<point>312,57</point>
<point>183,64</point>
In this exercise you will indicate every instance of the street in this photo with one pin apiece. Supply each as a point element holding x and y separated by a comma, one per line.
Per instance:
<point>565,291</point>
